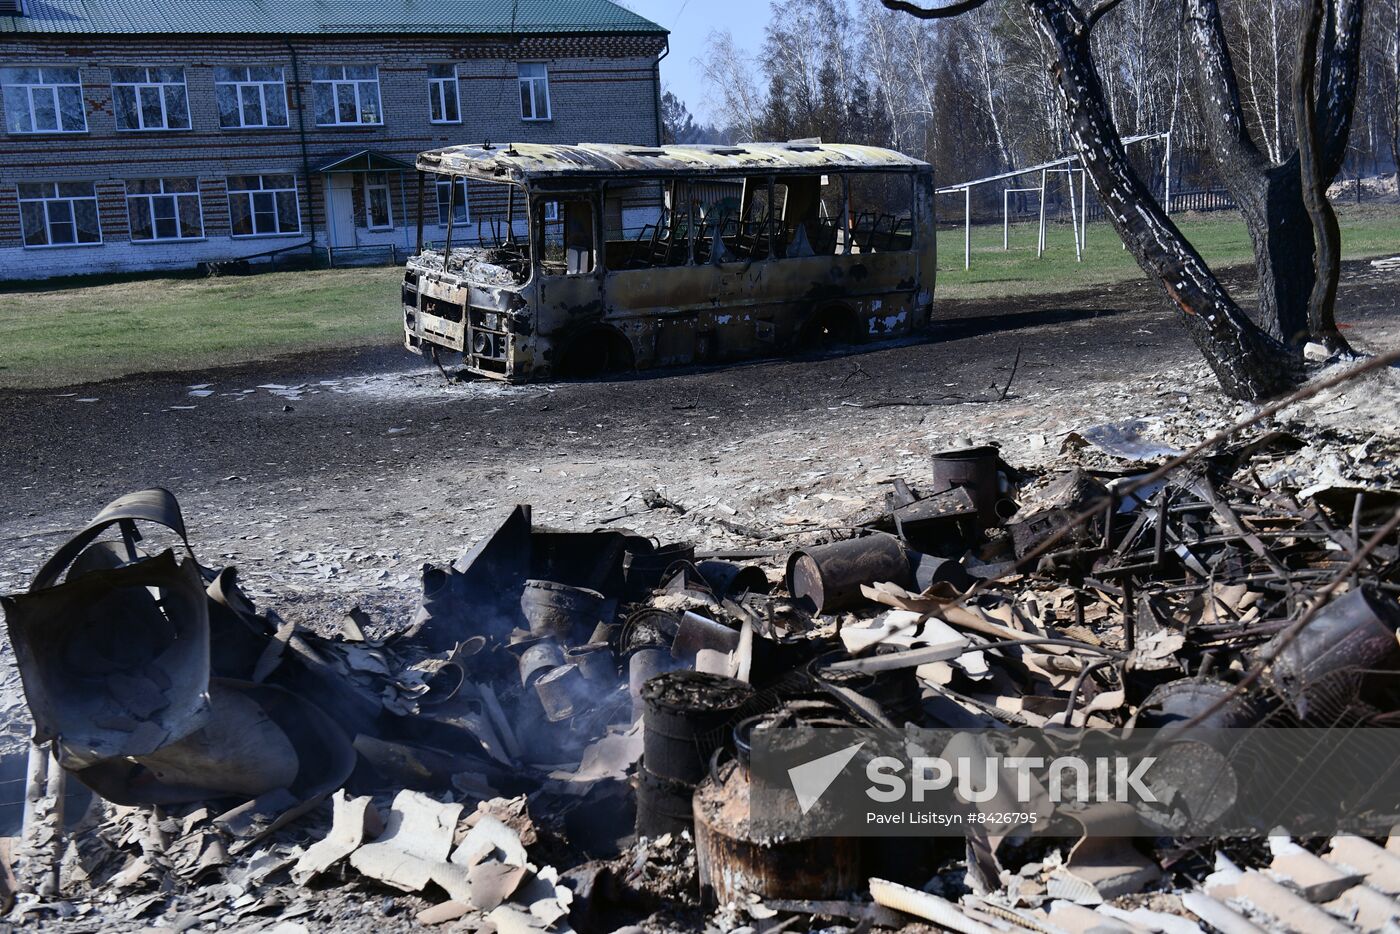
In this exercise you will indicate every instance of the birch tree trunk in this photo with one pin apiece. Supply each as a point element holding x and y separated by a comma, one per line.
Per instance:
<point>1322,299</point>
<point>1270,196</point>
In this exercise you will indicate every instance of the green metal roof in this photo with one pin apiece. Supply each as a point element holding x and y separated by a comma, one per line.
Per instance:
<point>313,17</point>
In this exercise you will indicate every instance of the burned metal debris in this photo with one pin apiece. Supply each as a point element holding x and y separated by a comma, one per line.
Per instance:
<point>561,736</point>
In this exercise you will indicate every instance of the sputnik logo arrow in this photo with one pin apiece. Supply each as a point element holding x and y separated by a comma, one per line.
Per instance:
<point>810,780</point>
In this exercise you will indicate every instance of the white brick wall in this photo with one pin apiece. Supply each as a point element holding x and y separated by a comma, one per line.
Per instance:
<point>601,90</point>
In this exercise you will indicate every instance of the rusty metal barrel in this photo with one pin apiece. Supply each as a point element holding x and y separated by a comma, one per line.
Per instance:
<point>976,470</point>
<point>734,861</point>
<point>662,806</point>
<point>829,577</point>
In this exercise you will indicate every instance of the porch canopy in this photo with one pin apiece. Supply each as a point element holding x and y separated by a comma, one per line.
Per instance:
<point>366,160</point>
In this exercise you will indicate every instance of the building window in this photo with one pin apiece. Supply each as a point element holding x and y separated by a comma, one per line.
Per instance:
<point>150,98</point>
<point>251,96</point>
<point>58,213</point>
<point>442,94</point>
<point>164,209</point>
<point>534,91</point>
<point>43,100</point>
<point>379,213</point>
<point>460,212</point>
<point>263,205</point>
<point>346,95</point>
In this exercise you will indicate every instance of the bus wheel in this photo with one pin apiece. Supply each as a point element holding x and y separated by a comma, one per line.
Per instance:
<point>596,352</point>
<point>830,325</point>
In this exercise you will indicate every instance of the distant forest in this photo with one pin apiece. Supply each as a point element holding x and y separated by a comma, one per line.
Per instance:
<point>973,94</point>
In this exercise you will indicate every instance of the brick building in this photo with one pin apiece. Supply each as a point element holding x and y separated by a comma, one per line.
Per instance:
<point>157,134</point>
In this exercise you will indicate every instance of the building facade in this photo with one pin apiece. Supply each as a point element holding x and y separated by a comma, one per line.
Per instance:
<point>149,135</point>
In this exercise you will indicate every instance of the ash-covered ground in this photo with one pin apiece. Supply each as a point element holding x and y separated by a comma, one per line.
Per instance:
<point>329,480</point>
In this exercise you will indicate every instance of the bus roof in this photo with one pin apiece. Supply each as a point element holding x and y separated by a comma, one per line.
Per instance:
<point>528,162</point>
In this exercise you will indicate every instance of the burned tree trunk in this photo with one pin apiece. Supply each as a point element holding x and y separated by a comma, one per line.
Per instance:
<point>1271,196</point>
<point>1249,363</point>
<point>1322,299</point>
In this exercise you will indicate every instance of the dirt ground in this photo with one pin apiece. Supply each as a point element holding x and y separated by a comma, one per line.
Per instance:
<point>329,479</point>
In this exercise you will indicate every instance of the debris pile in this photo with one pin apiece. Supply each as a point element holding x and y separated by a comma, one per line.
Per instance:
<point>560,737</point>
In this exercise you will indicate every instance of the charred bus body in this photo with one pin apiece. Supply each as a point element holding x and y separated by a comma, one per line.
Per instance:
<point>747,250</point>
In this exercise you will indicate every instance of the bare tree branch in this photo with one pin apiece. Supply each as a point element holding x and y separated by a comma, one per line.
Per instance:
<point>1097,10</point>
<point>953,9</point>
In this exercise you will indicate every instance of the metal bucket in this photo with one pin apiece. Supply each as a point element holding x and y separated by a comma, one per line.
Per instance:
<point>594,661</point>
<point>563,692</point>
<point>1320,672</point>
<point>561,611</point>
<point>698,632</point>
<point>642,570</point>
<point>1179,701</point>
<point>976,470</point>
<point>686,717</point>
<point>538,658</point>
<point>643,665</point>
<point>725,578</point>
<point>829,577</point>
<point>648,627</point>
<point>896,690</point>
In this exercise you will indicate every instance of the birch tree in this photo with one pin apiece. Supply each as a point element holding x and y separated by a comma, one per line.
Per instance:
<point>732,78</point>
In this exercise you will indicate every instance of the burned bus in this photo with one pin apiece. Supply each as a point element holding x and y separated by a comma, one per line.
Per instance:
<point>553,260</point>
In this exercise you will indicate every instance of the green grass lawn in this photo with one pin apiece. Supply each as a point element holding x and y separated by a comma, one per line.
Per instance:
<point>1367,230</point>
<point>59,333</point>
<point>53,336</point>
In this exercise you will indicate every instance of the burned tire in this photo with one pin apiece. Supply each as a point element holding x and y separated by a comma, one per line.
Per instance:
<point>829,326</point>
<point>596,352</point>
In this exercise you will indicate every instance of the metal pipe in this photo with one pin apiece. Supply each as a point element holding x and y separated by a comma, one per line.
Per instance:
<point>451,216</point>
<point>305,155</point>
<point>770,218</point>
<point>422,181</point>
<point>845,214</point>
<point>1167,181</point>
<point>1005,220</point>
<point>1040,239</point>
<point>1073,214</point>
<point>656,91</point>
<point>967,228</point>
<point>1083,209</point>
